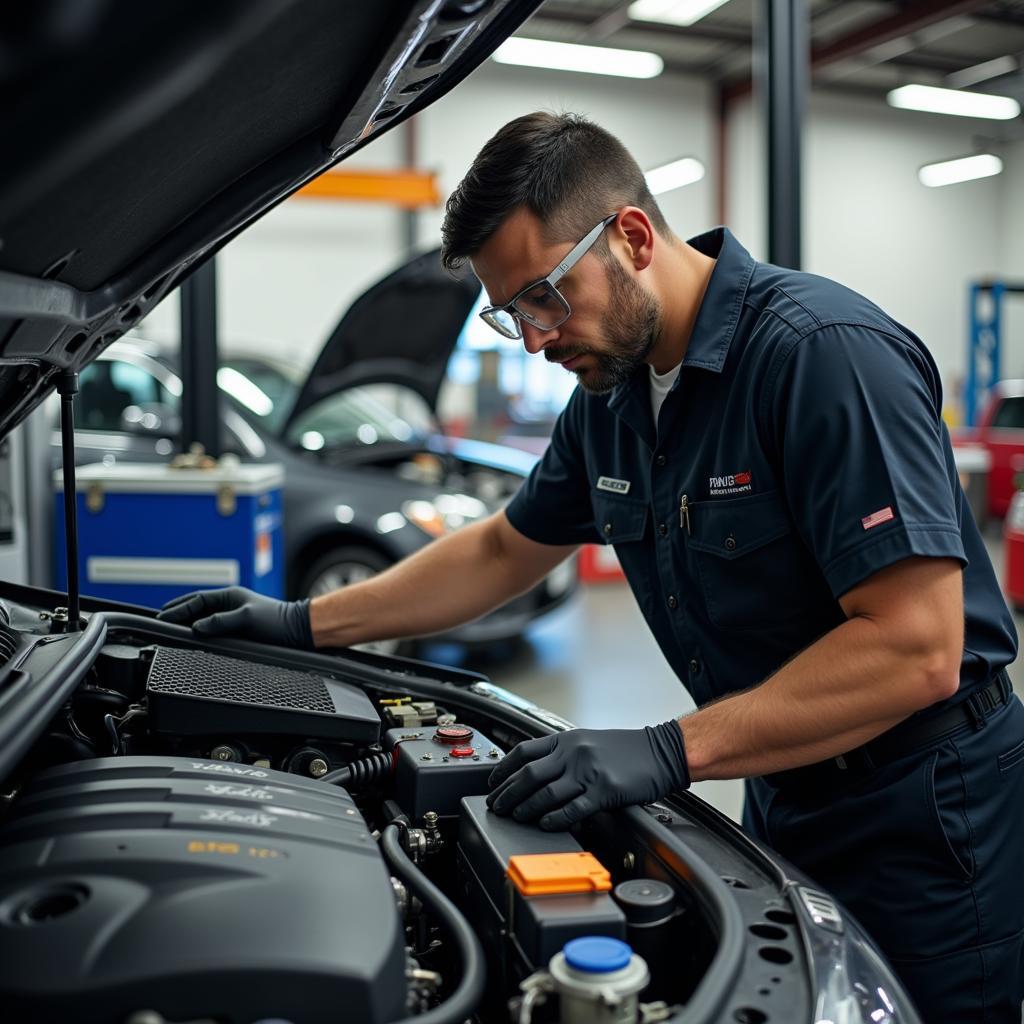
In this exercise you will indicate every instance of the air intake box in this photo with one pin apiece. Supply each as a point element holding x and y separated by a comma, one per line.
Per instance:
<point>192,693</point>
<point>198,889</point>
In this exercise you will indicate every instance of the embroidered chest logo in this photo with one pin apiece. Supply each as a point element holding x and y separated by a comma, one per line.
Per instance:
<point>733,483</point>
<point>609,483</point>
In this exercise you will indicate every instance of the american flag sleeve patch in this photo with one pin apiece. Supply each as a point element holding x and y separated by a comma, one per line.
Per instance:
<point>883,515</point>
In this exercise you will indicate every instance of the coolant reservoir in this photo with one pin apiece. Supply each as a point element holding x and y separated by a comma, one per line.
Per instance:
<point>598,980</point>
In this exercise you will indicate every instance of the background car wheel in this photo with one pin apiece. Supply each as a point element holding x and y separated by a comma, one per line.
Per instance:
<point>341,567</point>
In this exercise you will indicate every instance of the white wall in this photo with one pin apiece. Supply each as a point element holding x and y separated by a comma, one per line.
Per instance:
<point>658,121</point>
<point>867,220</point>
<point>1012,219</point>
<point>1011,254</point>
<point>870,224</point>
<point>285,281</point>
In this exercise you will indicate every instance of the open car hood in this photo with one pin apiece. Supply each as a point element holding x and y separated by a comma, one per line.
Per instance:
<point>401,331</point>
<point>140,138</point>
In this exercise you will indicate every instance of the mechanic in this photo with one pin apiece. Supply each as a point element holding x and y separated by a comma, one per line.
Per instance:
<point>765,450</point>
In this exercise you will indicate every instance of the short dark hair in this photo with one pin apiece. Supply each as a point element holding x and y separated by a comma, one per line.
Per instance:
<point>565,169</point>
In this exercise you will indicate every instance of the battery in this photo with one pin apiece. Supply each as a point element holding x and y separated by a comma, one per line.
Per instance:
<point>537,926</point>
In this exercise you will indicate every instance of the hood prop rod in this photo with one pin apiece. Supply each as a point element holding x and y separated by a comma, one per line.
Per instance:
<point>67,387</point>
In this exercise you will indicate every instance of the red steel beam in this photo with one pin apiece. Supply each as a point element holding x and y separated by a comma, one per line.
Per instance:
<point>912,18</point>
<point>916,15</point>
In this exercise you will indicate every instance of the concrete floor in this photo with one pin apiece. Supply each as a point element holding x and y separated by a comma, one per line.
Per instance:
<point>595,662</point>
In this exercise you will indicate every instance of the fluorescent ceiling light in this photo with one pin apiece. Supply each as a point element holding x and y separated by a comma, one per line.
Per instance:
<point>593,60</point>
<point>982,72</point>
<point>949,172</point>
<point>672,12</point>
<point>674,175</point>
<point>953,101</point>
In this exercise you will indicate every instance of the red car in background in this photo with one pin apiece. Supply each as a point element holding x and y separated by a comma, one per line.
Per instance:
<point>1001,434</point>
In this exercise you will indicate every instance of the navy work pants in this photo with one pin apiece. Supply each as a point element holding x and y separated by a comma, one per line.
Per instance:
<point>927,852</point>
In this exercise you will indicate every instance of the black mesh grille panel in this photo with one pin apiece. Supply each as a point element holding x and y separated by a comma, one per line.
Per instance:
<point>196,693</point>
<point>212,677</point>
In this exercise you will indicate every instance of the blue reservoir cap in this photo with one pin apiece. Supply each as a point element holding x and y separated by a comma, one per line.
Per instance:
<point>597,954</point>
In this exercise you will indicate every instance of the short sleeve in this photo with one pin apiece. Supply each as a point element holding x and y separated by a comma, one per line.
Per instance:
<point>553,504</point>
<point>856,420</point>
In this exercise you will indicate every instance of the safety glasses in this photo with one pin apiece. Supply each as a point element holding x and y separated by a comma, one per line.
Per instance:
<point>541,303</point>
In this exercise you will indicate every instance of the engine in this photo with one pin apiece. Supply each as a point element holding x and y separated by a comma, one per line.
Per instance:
<point>202,888</point>
<point>204,839</point>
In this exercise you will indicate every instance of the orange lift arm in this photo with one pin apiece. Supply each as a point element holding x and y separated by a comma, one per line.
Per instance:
<point>408,189</point>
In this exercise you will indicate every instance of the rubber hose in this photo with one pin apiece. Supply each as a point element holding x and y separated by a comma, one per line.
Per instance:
<point>463,1001</point>
<point>358,773</point>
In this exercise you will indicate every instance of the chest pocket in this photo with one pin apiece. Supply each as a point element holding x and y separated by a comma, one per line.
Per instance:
<point>754,571</point>
<point>618,519</point>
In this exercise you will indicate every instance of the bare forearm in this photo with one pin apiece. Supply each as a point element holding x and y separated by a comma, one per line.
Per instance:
<point>847,688</point>
<point>453,580</point>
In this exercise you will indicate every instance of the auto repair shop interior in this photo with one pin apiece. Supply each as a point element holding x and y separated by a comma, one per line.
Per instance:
<point>245,334</point>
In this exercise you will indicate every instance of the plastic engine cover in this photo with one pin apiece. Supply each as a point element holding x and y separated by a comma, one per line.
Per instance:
<point>197,889</point>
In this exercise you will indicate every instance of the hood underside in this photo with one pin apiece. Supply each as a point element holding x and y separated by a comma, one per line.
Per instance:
<point>401,331</point>
<point>140,138</point>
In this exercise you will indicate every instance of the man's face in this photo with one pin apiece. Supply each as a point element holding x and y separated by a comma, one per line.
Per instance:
<point>614,321</point>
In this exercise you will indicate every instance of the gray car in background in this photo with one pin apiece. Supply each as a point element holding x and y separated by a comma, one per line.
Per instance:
<point>369,476</point>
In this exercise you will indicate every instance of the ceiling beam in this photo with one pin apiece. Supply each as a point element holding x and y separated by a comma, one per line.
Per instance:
<point>609,23</point>
<point>915,16</point>
<point>918,14</point>
<point>1001,15</point>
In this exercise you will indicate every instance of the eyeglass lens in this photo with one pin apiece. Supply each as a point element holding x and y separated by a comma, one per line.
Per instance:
<point>543,306</point>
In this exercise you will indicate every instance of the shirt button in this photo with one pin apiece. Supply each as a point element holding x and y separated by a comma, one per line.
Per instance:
<point>607,530</point>
<point>730,543</point>
<point>661,460</point>
<point>663,529</point>
<point>672,602</point>
<point>694,666</point>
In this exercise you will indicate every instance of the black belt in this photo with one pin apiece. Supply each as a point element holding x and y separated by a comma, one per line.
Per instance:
<point>913,734</point>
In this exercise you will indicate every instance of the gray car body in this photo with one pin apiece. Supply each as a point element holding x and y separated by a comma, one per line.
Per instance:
<point>315,489</point>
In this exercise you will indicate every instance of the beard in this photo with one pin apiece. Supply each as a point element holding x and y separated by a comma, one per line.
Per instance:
<point>631,326</point>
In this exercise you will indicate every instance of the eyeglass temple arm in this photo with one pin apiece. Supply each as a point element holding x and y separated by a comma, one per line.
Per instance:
<point>572,258</point>
<point>578,251</point>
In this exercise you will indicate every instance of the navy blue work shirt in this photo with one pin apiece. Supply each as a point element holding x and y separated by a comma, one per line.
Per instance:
<point>800,450</point>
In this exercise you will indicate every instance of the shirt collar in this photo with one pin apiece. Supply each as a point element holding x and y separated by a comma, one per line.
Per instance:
<point>714,327</point>
<point>719,311</point>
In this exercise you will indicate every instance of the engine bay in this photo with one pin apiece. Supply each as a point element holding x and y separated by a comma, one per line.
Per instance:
<point>231,835</point>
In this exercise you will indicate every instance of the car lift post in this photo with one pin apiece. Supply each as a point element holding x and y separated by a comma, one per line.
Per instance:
<point>984,341</point>
<point>200,398</point>
<point>782,58</point>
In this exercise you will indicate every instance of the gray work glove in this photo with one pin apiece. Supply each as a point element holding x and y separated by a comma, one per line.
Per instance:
<point>565,778</point>
<point>236,611</point>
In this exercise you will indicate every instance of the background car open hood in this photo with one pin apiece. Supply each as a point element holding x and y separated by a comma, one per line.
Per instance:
<point>140,138</point>
<point>401,331</point>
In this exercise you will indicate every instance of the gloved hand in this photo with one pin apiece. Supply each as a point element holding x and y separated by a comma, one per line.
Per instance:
<point>564,778</point>
<point>236,611</point>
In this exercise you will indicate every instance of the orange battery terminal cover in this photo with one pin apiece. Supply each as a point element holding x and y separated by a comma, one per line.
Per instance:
<point>547,874</point>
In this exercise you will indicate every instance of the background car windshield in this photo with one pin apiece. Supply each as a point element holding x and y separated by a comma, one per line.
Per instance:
<point>266,389</point>
<point>355,417</point>
<point>108,387</point>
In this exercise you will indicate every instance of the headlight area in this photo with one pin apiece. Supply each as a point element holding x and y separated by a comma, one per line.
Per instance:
<point>443,514</point>
<point>854,984</point>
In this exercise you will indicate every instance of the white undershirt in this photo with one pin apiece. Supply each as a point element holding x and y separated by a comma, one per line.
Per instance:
<point>661,384</point>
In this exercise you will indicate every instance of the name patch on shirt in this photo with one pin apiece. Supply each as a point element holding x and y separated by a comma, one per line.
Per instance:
<point>733,483</point>
<point>609,483</point>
